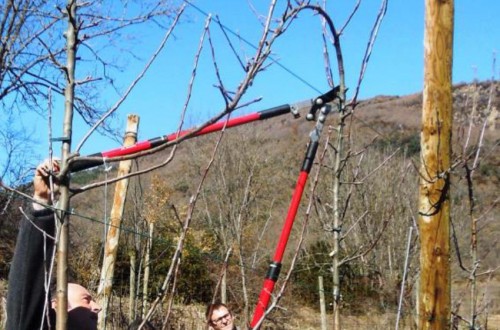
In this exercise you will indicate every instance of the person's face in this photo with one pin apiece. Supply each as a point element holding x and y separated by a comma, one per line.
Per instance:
<point>222,319</point>
<point>78,296</point>
<point>82,309</point>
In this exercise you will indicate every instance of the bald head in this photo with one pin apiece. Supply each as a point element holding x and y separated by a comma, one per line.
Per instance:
<point>82,308</point>
<point>78,296</point>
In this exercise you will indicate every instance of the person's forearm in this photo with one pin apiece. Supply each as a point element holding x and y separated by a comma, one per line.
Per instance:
<point>32,258</point>
<point>39,203</point>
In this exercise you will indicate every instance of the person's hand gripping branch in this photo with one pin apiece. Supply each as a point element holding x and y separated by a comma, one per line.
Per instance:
<point>45,185</point>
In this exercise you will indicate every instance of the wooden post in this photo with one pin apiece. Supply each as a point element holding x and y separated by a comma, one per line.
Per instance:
<point>111,247</point>
<point>434,207</point>
<point>322,304</point>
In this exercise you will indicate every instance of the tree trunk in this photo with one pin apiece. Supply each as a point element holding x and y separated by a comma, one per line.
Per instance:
<point>434,208</point>
<point>111,247</point>
<point>132,289</point>
<point>337,225</point>
<point>223,288</point>
<point>403,279</point>
<point>244,290</point>
<point>322,304</point>
<point>63,215</point>
<point>147,259</point>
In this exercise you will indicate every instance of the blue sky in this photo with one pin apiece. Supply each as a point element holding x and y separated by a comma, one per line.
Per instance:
<point>395,68</point>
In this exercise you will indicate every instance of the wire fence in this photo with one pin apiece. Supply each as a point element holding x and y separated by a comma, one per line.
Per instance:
<point>382,316</point>
<point>192,318</point>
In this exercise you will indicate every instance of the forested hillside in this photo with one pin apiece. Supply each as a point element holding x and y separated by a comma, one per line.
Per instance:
<point>234,189</point>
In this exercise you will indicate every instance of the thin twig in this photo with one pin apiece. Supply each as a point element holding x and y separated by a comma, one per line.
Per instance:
<point>369,48</point>
<point>135,81</point>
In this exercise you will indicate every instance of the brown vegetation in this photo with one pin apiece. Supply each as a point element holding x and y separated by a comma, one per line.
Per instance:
<point>380,178</point>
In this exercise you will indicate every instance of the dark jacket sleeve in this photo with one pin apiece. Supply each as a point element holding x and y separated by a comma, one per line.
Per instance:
<point>32,257</point>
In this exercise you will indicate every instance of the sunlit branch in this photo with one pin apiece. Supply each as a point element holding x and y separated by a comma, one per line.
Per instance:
<point>134,83</point>
<point>369,48</point>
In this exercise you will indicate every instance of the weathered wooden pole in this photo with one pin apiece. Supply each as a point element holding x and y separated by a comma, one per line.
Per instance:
<point>434,205</point>
<point>111,247</point>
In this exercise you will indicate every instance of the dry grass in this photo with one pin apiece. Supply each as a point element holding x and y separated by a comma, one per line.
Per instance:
<point>308,319</point>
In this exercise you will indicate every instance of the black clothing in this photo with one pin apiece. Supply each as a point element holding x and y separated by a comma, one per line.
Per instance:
<point>26,291</point>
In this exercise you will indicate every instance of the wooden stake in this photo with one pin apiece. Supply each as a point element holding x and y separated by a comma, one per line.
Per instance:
<point>111,247</point>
